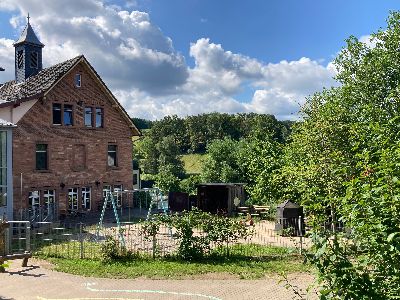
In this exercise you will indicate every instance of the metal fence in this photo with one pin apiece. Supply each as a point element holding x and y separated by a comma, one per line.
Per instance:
<point>80,240</point>
<point>85,241</point>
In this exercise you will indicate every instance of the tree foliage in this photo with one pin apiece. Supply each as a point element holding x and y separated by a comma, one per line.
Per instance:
<point>342,164</point>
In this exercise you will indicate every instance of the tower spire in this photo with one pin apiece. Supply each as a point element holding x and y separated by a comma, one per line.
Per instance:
<point>28,54</point>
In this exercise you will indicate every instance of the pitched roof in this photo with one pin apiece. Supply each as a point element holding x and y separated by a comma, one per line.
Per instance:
<point>37,84</point>
<point>40,84</point>
<point>28,36</point>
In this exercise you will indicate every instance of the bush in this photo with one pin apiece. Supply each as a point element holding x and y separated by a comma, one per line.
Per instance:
<point>197,231</point>
<point>111,250</point>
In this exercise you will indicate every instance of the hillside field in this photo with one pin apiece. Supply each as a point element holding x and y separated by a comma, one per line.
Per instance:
<point>192,163</point>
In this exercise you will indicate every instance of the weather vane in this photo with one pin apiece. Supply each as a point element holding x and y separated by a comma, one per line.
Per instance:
<point>28,18</point>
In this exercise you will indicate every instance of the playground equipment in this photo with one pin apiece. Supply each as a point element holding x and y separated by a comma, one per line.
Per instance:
<point>155,202</point>
<point>159,202</point>
<point>109,200</point>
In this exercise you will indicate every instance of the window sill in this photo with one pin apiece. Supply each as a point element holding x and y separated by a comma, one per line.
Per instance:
<point>62,126</point>
<point>93,128</point>
<point>42,171</point>
<point>109,168</point>
<point>78,169</point>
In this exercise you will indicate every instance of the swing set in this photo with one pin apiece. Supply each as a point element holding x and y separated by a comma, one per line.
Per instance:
<point>158,203</point>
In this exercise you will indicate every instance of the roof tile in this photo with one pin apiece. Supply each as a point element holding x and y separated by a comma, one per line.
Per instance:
<point>37,84</point>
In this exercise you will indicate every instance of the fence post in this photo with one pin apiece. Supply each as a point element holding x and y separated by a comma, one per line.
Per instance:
<point>81,239</point>
<point>301,235</point>
<point>154,246</point>
<point>28,237</point>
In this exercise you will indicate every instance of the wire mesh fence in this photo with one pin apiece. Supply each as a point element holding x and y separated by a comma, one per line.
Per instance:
<point>79,241</point>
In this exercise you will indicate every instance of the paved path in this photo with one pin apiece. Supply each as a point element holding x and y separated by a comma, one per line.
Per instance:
<point>38,283</point>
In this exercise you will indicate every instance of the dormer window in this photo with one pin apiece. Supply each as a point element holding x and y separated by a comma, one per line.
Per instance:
<point>34,60</point>
<point>78,79</point>
<point>20,59</point>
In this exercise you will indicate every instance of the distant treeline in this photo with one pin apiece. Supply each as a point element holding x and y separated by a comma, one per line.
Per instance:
<point>192,134</point>
<point>142,123</point>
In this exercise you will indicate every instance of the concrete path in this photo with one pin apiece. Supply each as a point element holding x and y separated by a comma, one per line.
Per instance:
<point>38,283</point>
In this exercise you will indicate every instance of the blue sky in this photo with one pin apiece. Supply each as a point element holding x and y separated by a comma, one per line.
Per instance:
<point>193,56</point>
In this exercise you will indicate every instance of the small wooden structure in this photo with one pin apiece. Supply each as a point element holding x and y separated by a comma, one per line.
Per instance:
<point>220,198</point>
<point>289,216</point>
<point>178,201</point>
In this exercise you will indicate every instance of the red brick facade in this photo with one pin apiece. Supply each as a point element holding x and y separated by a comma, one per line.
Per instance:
<point>77,155</point>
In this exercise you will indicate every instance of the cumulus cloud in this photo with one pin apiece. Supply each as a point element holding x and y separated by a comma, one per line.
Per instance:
<point>6,59</point>
<point>149,76</point>
<point>125,47</point>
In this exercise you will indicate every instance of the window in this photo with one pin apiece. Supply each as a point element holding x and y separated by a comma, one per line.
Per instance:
<point>86,197</point>
<point>57,114</point>
<point>118,195</point>
<point>34,199</point>
<point>41,157</point>
<point>49,202</point>
<point>112,155</point>
<point>3,168</point>
<point>34,60</point>
<point>78,81</point>
<point>135,179</point>
<point>88,116</point>
<point>49,197</point>
<point>63,114</point>
<point>73,199</point>
<point>99,117</point>
<point>68,121</point>
<point>106,191</point>
<point>94,117</point>
<point>20,59</point>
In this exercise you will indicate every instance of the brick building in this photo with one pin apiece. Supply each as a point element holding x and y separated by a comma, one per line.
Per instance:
<point>73,138</point>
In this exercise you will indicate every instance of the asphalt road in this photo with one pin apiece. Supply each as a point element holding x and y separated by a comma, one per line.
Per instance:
<point>38,283</point>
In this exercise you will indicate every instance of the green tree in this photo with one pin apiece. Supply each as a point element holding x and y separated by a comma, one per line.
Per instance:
<point>166,180</point>
<point>221,162</point>
<point>342,164</point>
<point>259,160</point>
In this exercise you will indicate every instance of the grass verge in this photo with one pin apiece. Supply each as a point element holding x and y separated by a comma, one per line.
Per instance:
<point>240,264</point>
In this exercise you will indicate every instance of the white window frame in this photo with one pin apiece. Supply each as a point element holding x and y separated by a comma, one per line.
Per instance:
<point>86,195</point>
<point>106,188</point>
<point>49,197</point>
<point>73,203</point>
<point>34,199</point>
<point>115,164</point>
<point>78,80</point>
<point>118,194</point>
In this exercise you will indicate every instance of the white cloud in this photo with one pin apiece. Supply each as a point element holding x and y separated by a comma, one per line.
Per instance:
<point>125,47</point>
<point>151,79</point>
<point>6,59</point>
<point>368,40</point>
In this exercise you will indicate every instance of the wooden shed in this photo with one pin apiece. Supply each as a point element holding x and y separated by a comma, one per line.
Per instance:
<point>220,198</point>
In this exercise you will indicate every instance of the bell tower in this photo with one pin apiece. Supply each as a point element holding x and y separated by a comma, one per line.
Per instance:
<point>28,54</point>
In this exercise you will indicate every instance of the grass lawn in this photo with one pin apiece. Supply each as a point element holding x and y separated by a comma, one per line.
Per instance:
<point>192,163</point>
<point>241,264</point>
